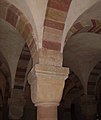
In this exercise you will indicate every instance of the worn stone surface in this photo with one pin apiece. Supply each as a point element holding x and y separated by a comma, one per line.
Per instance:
<point>50,57</point>
<point>49,84</point>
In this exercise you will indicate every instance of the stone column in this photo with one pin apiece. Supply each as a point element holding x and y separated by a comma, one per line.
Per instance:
<point>47,112</point>
<point>47,82</point>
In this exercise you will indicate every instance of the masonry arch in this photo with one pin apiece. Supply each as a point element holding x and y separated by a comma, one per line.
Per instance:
<point>83,64</point>
<point>18,28</point>
<point>70,105</point>
<point>93,80</point>
<point>56,12</point>
<point>6,75</point>
<point>15,17</point>
<point>22,66</point>
<point>89,21</point>
<point>5,87</point>
<point>94,83</point>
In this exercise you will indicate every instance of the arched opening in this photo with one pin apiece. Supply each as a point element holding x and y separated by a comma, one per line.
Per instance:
<point>71,102</point>
<point>82,52</point>
<point>29,108</point>
<point>76,113</point>
<point>5,88</point>
<point>93,90</point>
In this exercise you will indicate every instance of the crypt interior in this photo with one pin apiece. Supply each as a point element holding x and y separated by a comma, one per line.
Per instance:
<point>50,62</point>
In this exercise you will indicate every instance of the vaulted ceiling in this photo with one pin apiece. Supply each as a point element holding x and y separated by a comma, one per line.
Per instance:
<point>52,22</point>
<point>71,27</point>
<point>11,44</point>
<point>52,19</point>
<point>83,44</point>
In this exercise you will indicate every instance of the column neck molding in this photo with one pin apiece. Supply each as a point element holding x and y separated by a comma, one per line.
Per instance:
<point>47,104</point>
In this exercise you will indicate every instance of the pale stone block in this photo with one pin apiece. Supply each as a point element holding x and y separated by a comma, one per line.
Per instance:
<point>50,57</point>
<point>56,15</point>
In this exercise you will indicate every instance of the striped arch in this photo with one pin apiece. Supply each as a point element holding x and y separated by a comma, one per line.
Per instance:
<point>93,79</point>
<point>97,87</point>
<point>92,25</point>
<point>15,17</point>
<point>72,89</point>
<point>56,13</point>
<point>22,68</point>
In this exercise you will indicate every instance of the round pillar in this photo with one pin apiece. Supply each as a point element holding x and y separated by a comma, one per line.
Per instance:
<point>47,112</point>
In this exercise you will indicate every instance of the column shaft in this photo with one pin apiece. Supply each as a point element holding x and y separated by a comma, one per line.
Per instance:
<point>46,113</point>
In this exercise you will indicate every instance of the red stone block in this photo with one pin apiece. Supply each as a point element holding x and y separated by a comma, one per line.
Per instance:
<point>94,25</point>
<point>97,30</point>
<point>62,5</point>
<point>54,24</point>
<point>12,15</point>
<point>67,1</point>
<point>94,22</point>
<point>78,26</point>
<point>27,31</point>
<point>51,45</point>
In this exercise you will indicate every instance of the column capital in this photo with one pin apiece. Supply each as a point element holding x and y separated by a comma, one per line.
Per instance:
<point>47,88</point>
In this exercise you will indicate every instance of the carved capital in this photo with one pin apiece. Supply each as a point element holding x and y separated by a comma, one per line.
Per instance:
<point>48,85</point>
